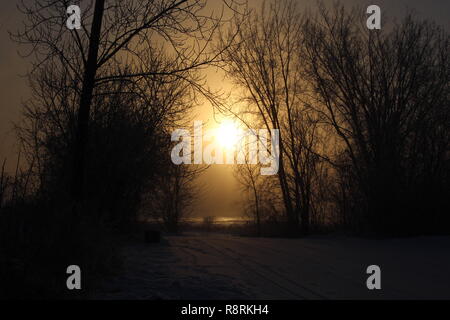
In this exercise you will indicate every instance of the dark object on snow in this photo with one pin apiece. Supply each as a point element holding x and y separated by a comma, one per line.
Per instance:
<point>152,236</point>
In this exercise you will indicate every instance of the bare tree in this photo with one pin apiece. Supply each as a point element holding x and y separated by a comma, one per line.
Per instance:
<point>4,182</point>
<point>265,63</point>
<point>177,190</point>
<point>381,91</point>
<point>248,176</point>
<point>129,132</point>
<point>118,33</point>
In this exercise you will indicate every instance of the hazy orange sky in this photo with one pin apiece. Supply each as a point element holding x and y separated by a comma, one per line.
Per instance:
<point>222,189</point>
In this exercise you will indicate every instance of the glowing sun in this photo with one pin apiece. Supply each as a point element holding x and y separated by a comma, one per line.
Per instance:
<point>227,134</point>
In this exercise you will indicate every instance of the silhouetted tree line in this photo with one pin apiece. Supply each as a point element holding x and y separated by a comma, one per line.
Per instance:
<point>363,117</point>
<point>96,133</point>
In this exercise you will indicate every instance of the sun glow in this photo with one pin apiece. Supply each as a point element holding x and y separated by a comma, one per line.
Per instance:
<point>227,134</point>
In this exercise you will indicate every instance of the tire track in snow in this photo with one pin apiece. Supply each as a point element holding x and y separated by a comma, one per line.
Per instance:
<point>317,258</point>
<point>312,257</point>
<point>267,273</point>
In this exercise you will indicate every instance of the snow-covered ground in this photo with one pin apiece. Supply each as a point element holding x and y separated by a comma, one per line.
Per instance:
<point>217,266</point>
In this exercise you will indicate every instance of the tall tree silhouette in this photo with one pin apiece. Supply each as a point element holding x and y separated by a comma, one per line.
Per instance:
<point>120,33</point>
<point>266,64</point>
<point>385,93</point>
<point>85,103</point>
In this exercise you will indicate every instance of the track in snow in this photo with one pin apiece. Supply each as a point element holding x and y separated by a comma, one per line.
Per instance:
<point>215,266</point>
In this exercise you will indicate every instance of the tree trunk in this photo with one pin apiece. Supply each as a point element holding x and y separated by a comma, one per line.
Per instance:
<point>78,174</point>
<point>258,218</point>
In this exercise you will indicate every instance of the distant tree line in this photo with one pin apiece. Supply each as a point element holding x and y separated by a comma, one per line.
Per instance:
<point>363,115</point>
